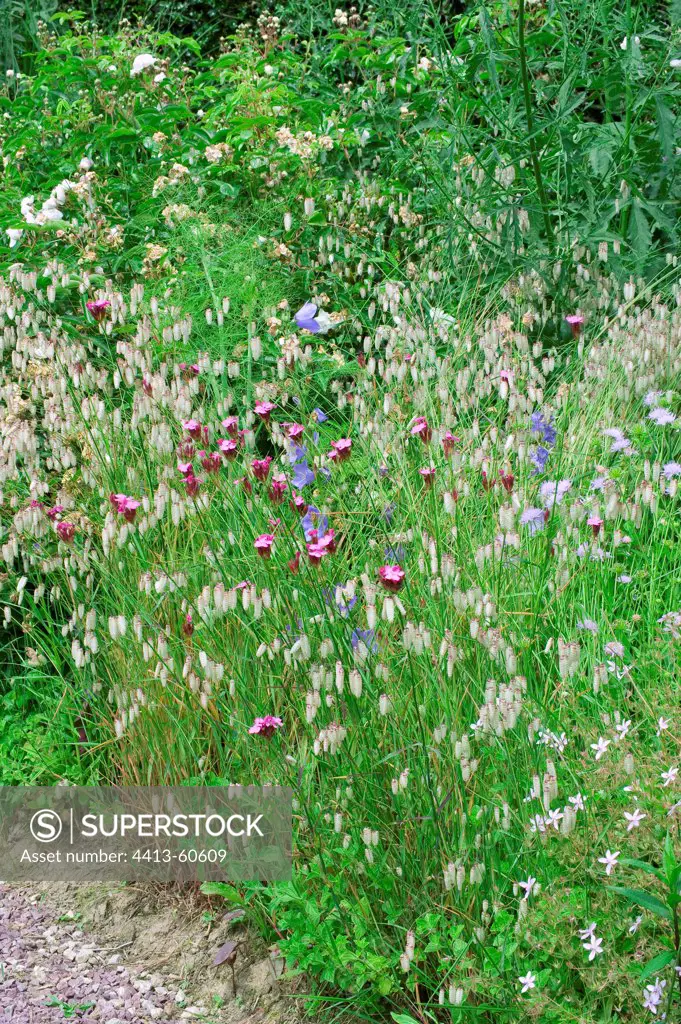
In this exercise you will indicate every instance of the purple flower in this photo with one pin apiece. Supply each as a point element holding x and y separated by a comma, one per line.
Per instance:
<point>305,318</point>
<point>396,554</point>
<point>302,475</point>
<point>366,637</point>
<point>598,483</point>
<point>344,605</point>
<point>589,625</point>
<point>296,453</point>
<point>661,416</point>
<point>312,521</point>
<point>320,416</point>
<point>552,492</point>
<point>671,469</point>
<point>545,427</point>
<point>619,441</point>
<point>389,512</point>
<point>652,397</point>
<point>539,458</point>
<point>534,519</point>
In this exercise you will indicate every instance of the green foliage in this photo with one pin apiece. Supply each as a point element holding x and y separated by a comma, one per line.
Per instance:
<point>379,163</point>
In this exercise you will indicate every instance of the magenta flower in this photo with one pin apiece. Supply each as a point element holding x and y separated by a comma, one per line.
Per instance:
<point>266,726</point>
<point>428,475</point>
<point>125,506</point>
<point>210,461</point>
<point>421,429</point>
<point>185,468</point>
<point>294,564</point>
<point>449,441</point>
<point>298,504</point>
<point>391,576</point>
<point>191,484</point>
<point>54,512</point>
<point>316,552</point>
<point>595,522</point>
<point>188,625</point>
<point>294,430</point>
<point>98,308</point>
<point>575,320</point>
<point>341,449</point>
<point>231,425</point>
<point>507,481</point>
<point>228,447</point>
<point>264,409</point>
<point>277,489</point>
<point>193,427</point>
<point>66,532</point>
<point>261,468</point>
<point>263,544</point>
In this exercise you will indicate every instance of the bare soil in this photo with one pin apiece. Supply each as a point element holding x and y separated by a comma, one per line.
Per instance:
<point>126,955</point>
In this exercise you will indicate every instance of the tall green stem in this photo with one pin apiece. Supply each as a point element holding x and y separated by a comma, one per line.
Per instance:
<point>534,158</point>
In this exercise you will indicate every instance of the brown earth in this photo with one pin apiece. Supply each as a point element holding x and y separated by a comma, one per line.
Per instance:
<point>126,955</point>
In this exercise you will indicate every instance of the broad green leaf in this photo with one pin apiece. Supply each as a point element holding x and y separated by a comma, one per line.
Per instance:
<point>643,899</point>
<point>658,963</point>
<point>643,865</point>
<point>228,892</point>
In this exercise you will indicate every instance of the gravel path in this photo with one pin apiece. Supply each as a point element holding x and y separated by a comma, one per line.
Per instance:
<point>51,971</point>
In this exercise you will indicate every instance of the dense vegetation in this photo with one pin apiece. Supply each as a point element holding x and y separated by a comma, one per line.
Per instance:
<point>339,419</point>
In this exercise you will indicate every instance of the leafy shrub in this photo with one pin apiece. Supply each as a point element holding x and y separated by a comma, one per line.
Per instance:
<point>459,646</point>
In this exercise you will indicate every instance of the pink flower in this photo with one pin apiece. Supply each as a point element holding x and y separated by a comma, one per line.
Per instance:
<point>294,430</point>
<point>185,468</point>
<point>266,726</point>
<point>193,427</point>
<point>341,449</point>
<point>98,308</point>
<point>391,576</point>
<point>66,532</point>
<point>421,429</point>
<point>328,541</point>
<point>507,480</point>
<point>210,462</point>
<point>575,320</point>
<point>245,483</point>
<point>231,425</point>
<point>125,506</point>
<point>188,625</point>
<point>263,544</point>
<point>298,504</point>
<point>316,552</point>
<point>294,564</point>
<point>264,409</point>
<point>191,484</point>
<point>277,489</point>
<point>428,475</point>
<point>261,468</point>
<point>595,522</point>
<point>228,447</point>
<point>449,441</point>
<point>54,512</point>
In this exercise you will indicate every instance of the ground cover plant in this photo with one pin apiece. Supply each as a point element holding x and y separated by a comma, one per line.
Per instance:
<point>340,450</point>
